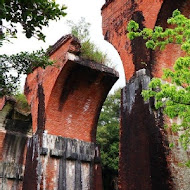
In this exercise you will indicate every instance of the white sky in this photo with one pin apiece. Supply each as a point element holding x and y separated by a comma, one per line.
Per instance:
<point>91,11</point>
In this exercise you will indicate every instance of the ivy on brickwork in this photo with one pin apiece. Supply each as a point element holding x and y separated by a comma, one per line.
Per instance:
<point>172,96</point>
<point>32,16</point>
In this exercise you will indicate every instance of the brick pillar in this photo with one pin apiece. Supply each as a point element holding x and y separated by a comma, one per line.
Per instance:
<point>142,146</point>
<point>66,100</point>
<point>145,159</point>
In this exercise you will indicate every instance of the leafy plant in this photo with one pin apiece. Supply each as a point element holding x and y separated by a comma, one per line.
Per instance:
<point>88,49</point>
<point>173,96</point>
<point>31,15</point>
<point>11,68</point>
<point>80,30</point>
<point>108,138</point>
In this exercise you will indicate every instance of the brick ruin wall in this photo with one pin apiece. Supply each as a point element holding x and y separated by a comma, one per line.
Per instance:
<point>146,161</point>
<point>148,13</point>
<point>15,129</point>
<point>56,149</point>
<point>66,100</point>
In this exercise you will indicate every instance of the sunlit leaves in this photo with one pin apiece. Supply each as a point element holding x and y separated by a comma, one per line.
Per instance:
<point>133,26</point>
<point>173,96</point>
<point>159,38</point>
<point>32,15</point>
<point>150,44</point>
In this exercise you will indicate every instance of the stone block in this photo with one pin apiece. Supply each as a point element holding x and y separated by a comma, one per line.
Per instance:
<point>43,151</point>
<point>56,153</point>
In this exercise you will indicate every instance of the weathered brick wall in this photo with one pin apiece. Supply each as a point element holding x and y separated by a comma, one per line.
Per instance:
<point>61,96</point>
<point>61,163</point>
<point>66,100</point>
<point>146,162</point>
<point>116,14</point>
<point>14,130</point>
<point>166,58</point>
<point>144,147</point>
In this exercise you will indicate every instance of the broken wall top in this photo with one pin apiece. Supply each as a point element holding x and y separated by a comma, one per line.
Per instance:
<point>66,98</point>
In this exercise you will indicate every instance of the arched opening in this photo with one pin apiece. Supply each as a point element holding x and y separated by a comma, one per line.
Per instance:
<point>109,123</point>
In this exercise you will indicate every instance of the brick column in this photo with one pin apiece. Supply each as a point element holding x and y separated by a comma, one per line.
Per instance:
<point>146,162</point>
<point>66,101</point>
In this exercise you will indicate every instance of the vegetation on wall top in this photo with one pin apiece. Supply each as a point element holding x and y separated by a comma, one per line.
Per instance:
<point>88,49</point>
<point>108,139</point>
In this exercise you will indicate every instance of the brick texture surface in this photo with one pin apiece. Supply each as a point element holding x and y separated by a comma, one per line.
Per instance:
<point>145,159</point>
<point>147,13</point>
<point>65,100</point>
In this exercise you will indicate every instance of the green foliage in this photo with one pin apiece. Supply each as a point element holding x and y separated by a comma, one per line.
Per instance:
<point>108,131</point>
<point>173,97</point>
<point>21,102</point>
<point>187,164</point>
<point>108,138</point>
<point>159,38</point>
<point>80,30</point>
<point>88,49</point>
<point>32,15</point>
<point>22,63</point>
